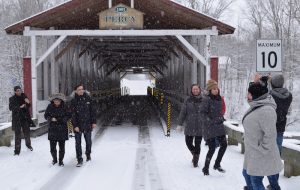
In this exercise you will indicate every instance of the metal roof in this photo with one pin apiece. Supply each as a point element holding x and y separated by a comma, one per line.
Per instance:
<point>82,14</point>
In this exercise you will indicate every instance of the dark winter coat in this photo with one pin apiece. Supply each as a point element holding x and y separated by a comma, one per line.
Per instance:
<point>20,116</point>
<point>212,112</point>
<point>262,156</point>
<point>283,99</point>
<point>190,113</point>
<point>83,112</point>
<point>58,130</point>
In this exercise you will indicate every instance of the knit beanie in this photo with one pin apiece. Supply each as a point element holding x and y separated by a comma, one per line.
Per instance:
<point>211,84</point>
<point>257,89</point>
<point>277,81</point>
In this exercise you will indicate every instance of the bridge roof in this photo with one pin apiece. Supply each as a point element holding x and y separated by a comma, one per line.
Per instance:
<point>82,14</point>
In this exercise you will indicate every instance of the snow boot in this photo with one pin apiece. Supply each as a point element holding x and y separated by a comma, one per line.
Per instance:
<point>30,148</point>
<point>88,157</point>
<point>79,164</point>
<point>195,160</point>
<point>205,171</point>
<point>54,157</point>
<point>61,163</point>
<point>219,168</point>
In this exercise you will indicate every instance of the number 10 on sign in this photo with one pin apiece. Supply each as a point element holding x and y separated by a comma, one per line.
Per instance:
<point>268,56</point>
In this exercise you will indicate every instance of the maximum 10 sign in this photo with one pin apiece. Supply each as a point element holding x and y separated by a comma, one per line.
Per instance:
<point>268,56</point>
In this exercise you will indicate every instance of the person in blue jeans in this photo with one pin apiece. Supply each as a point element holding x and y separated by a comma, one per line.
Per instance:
<point>262,157</point>
<point>256,182</point>
<point>283,99</point>
<point>83,121</point>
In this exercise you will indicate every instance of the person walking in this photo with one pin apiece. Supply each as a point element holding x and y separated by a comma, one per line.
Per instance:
<point>83,121</point>
<point>57,116</point>
<point>190,113</point>
<point>262,156</point>
<point>21,120</point>
<point>214,129</point>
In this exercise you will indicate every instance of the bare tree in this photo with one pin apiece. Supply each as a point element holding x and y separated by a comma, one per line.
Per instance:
<point>214,8</point>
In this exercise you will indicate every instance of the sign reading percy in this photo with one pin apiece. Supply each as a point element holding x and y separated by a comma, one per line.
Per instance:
<point>121,17</point>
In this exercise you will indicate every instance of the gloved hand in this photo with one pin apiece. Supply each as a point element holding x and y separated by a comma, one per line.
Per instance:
<point>179,128</point>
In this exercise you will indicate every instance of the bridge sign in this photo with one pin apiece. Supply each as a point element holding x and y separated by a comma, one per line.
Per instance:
<point>268,55</point>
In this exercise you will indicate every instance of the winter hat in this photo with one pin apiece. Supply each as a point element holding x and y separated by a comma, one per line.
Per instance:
<point>17,87</point>
<point>211,84</point>
<point>59,96</point>
<point>277,81</point>
<point>257,89</point>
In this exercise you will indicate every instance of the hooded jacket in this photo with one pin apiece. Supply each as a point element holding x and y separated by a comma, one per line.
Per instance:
<point>83,112</point>
<point>262,156</point>
<point>283,99</point>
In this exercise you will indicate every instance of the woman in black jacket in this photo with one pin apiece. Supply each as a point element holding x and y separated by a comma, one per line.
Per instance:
<point>214,129</point>
<point>190,114</point>
<point>57,117</point>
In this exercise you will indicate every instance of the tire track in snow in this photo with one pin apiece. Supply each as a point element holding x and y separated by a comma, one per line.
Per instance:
<point>146,175</point>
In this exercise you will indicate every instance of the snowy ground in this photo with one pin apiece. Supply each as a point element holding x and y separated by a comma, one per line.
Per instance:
<point>124,157</point>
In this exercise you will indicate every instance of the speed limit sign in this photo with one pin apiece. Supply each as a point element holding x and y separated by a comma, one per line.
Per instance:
<point>268,56</point>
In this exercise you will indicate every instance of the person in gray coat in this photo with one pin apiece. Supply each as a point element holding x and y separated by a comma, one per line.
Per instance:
<point>262,156</point>
<point>190,113</point>
<point>213,129</point>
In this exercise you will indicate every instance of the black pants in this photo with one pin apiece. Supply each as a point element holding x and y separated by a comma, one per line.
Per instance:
<point>53,150</point>
<point>18,136</point>
<point>212,147</point>
<point>88,142</point>
<point>195,149</point>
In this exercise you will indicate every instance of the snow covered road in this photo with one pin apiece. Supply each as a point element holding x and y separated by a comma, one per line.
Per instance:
<point>124,157</point>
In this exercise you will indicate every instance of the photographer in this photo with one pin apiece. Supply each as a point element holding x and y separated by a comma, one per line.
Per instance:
<point>283,99</point>
<point>21,120</point>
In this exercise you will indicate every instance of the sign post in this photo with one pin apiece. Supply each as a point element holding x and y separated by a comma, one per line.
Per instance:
<point>268,56</point>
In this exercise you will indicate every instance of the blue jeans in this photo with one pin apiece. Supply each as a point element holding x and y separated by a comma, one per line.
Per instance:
<point>279,141</point>
<point>88,143</point>
<point>256,182</point>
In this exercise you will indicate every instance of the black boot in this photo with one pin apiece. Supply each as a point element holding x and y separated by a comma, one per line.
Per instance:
<point>61,157</point>
<point>80,162</point>
<point>205,171</point>
<point>30,148</point>
<point>195,160</point>
<point>54,157</point>
<point>219,168</point>
<point>61,163</point>
<point>88,157</point>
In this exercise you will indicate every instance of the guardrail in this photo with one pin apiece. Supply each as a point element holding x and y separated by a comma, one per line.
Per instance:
<point>290,148</point>
<point>6,133</point>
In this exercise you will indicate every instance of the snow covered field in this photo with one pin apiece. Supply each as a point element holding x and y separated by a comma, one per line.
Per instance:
<point>124,157</point>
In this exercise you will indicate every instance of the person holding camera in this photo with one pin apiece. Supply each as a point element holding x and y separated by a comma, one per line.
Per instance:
<point>262,156</point>
<point>190,113</point>
<point>283,99</point>
<point>21,120</point>
<point>57,116</point>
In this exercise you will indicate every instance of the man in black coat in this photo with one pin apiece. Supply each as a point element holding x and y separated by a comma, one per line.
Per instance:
<point>21,120</point>
<point>283,99</point>
<point>83,121</point>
